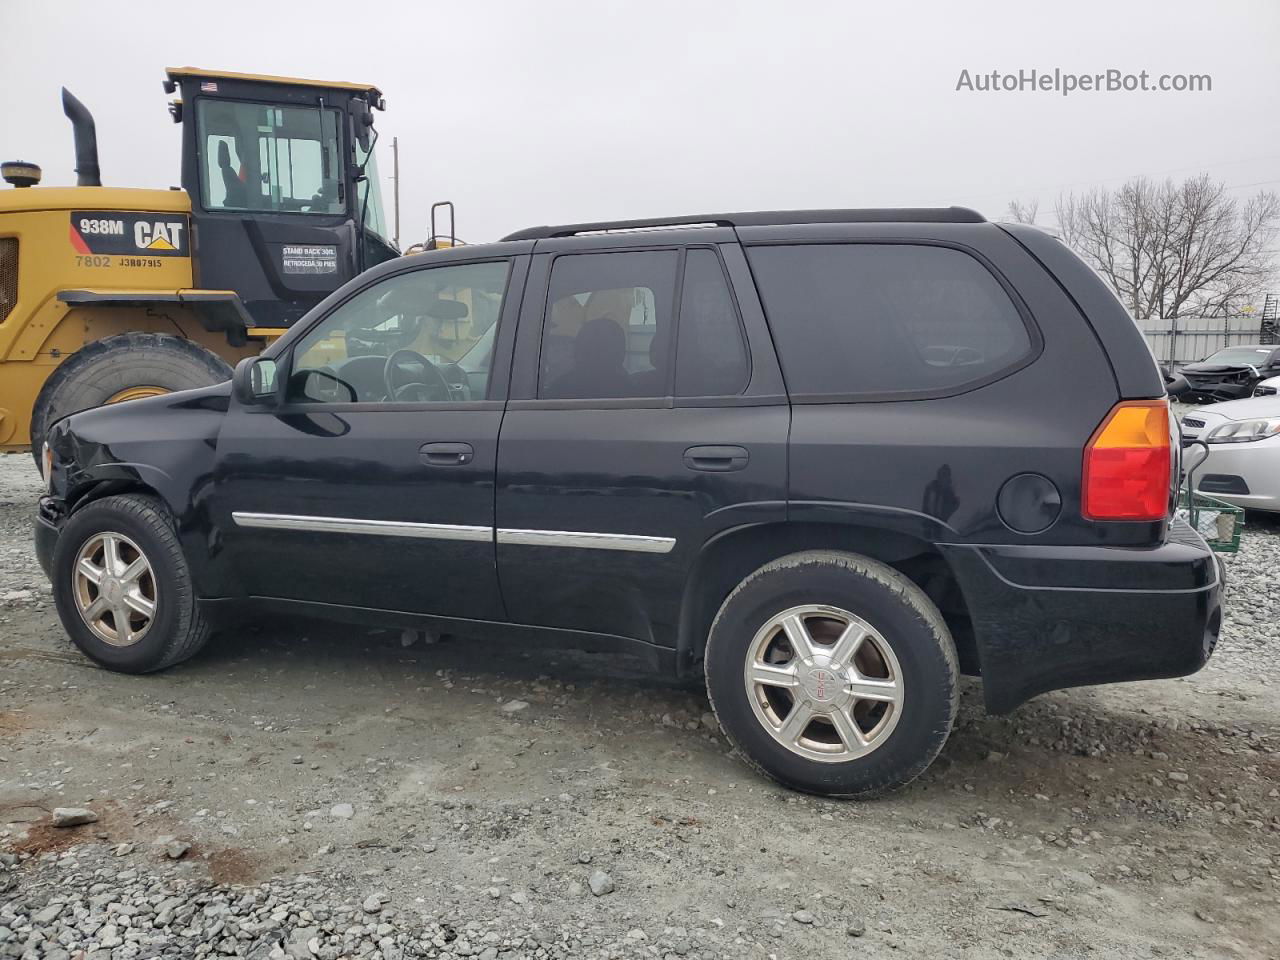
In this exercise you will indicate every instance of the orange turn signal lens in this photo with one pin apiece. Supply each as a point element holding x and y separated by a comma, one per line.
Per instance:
<point>1127,464</point>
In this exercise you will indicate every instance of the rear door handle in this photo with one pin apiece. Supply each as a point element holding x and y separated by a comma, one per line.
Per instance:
<point>716,459</point>
<point>446,454</point>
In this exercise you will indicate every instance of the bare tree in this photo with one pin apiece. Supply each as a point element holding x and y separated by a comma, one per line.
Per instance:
<point>1175,249</point>
<point>1023,211</point>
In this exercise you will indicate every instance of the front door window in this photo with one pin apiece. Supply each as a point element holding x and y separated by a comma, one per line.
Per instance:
<point>414,337</point>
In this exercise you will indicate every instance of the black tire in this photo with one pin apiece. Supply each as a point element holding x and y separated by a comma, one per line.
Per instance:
<point>177,630</point>
<point>101,369</point>
<point>891,604</point>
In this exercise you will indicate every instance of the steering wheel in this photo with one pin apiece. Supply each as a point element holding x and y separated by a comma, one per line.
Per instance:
<point>435,387</point>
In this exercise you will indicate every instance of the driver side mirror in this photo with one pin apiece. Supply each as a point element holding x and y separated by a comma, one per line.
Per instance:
<point>254,381</point>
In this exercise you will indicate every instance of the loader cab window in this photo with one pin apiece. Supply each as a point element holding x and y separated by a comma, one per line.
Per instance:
<point>270,158</point>
<point>370,207</point>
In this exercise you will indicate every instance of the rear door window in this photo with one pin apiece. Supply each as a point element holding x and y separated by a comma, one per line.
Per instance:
<point>711,354</point>
<point>867,320</point>
<point>608,326</point>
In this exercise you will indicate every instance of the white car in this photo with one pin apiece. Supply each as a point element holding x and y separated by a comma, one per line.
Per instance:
<point>1243,436</point>
<point>1267,388</point>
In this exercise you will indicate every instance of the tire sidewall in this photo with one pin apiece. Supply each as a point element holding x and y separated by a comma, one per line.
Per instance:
<point>101,369</point>
<point>928,677</point>
<point>148,652</point>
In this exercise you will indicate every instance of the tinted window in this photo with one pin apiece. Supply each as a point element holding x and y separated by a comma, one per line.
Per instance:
<point>885,318</point>
<point>433,322</point>
<point>711,356</point>
<point>607,331</point>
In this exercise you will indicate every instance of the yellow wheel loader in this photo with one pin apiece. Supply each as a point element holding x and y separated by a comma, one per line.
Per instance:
<point>112,293</point>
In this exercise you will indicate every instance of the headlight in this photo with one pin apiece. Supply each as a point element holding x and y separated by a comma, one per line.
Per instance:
<point>46,467</point>
<point>1244,431</point>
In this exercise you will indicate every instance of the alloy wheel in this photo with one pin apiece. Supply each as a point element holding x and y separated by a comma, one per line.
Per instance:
<point>824,683</point>
<point>114,589</point>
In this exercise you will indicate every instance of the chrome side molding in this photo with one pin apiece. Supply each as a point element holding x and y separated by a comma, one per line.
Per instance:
<point>589,541</point>
<point>383,528</point>
<point>635,543</point>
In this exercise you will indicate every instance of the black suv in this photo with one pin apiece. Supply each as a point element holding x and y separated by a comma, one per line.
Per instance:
<point>829,460</point>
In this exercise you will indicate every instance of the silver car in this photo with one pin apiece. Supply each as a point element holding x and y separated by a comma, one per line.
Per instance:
<point>1243,436</point>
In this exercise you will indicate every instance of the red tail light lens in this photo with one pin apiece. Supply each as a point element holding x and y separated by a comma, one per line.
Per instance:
<point>1127,463</point>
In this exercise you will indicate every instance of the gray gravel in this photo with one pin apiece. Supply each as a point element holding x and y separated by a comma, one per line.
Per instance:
<point>336,793</point>
<point>1251,634</point>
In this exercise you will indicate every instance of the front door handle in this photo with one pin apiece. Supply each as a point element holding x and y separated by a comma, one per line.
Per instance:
<point>716,459</point>
<point>446,454</point>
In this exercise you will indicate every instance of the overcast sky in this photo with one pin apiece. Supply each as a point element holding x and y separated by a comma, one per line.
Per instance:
<point>569,110</point>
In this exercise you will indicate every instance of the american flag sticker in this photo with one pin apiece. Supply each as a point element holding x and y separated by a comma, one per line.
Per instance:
<point>208,86</point>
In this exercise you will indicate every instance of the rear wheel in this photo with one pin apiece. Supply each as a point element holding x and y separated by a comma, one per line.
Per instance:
<point>123,588</point>
<point>832,673</point>
<point>124,367</point>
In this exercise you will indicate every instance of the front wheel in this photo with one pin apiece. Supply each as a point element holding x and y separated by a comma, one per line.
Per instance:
<point>833,674</point>
<point>123,588</point>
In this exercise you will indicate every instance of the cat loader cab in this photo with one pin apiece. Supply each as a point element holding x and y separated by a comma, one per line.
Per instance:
<point>112,293</point>
<point>283,182</point>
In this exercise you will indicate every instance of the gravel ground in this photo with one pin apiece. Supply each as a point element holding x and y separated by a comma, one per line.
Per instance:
<point>308,790</point>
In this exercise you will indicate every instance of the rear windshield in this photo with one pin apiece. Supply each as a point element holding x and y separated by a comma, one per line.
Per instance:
<point>862,320</point>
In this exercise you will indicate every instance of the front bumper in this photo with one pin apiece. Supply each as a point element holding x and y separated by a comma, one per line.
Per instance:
<point>1047,618</point>
<point>1256,463</point>
<point>47,525</point>
<point>1215,391</point>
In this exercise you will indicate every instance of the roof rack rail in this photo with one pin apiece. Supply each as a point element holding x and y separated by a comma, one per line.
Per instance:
<point>756,219</point>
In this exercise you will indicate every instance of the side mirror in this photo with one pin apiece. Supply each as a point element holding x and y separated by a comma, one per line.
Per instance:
<point>363,117</point>
<point>254,381</point>
<point>320,386</point>
<point>1176,385</point>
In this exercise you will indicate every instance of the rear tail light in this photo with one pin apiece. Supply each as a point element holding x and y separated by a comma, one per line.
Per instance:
<point>1127,463</point>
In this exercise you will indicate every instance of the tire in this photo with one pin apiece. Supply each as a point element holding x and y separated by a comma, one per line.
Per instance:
<point>102,369</point>
<point>141,525</point>
<point>905,659</point>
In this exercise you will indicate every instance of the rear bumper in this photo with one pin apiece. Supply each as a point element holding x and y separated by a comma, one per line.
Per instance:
<point>1047,618</point>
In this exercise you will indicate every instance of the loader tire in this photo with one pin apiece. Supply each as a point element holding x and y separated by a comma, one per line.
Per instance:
<point>108,368</point>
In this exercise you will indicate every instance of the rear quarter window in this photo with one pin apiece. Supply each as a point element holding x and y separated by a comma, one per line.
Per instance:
<point>883,321</point>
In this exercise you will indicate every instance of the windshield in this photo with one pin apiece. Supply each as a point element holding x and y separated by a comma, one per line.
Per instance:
<point>258,156</point>
<point>374,219</point>
<point>1250,355</point>
<point>477,358</point>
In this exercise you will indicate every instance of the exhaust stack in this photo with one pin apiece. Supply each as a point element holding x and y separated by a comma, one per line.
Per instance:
<point>86,136</point>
